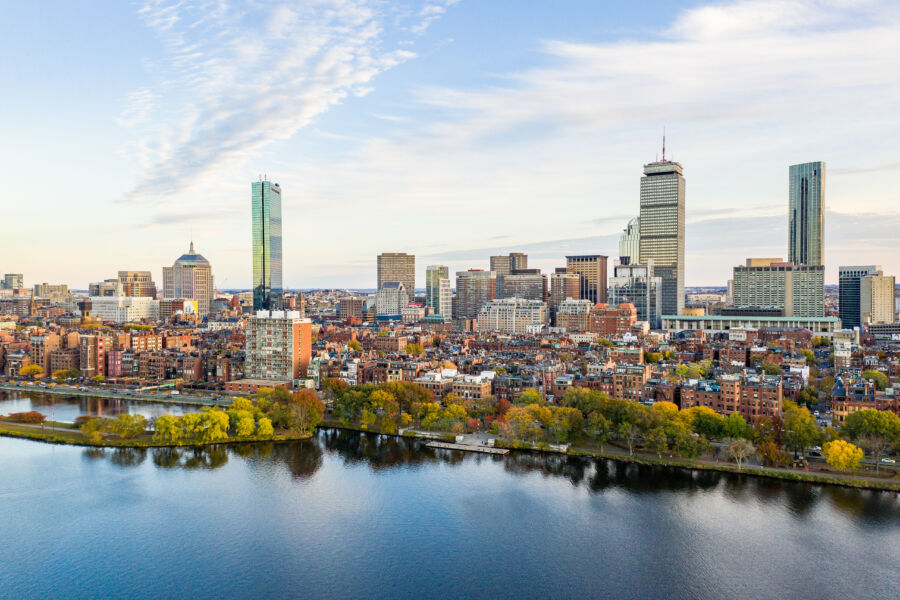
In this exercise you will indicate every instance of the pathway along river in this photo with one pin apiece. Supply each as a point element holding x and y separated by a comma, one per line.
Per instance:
<point>351,515</point>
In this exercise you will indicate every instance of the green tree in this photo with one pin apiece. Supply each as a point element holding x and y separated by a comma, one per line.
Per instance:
<point>530,396</point>
<point>355,345</point>
<point>523,423</point>
<point>874,430</point>
<point>213,426</point>
<point>564,422</point>
<point>705,421</point>
<point>93,430</point>
<point>628,432</point>
<point>736,427</point>
<point>800,430</point>
<point>367,419</point>
<point>842,455</point>
<point>599,428</point>
<point>770,368</point>
<point>880,379</point>
<point>414,348</point>
<point>129,426</point>
<point>657,440</point>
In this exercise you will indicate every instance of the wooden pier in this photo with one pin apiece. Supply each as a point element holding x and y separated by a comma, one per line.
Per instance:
<point>468,448</point>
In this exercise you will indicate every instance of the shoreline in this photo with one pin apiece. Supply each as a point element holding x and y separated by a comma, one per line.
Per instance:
<point>679,463</point>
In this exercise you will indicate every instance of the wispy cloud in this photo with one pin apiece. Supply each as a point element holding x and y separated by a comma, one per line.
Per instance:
<point>237,80</point>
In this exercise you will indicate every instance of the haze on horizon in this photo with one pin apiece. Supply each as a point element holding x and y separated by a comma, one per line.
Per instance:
<point>449,129</point>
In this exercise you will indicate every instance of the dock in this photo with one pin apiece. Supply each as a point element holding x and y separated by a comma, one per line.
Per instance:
<point>468,448</point>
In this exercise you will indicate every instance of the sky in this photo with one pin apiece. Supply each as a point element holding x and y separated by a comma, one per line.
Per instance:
<point>450,129</point>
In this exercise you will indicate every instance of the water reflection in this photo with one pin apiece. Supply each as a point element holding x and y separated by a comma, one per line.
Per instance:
<point>303,459</point>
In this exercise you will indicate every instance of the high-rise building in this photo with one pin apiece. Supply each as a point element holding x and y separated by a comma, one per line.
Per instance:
<point>511,315</point>
<point>56,293</point>
<point>563,286</point>
<point>398,266</point>
<point>592,269</point>
<point>503,265</point>
<point>137,284</point>
<point>848,295</point>
<point>797,290</point>
<point>190,277</point>
<point>530,286</point>
<point>438,294</point>
<point>13,281</point>
<point>351,308</point>
<point>574,315</point>
<point>279,345</point>
<point>391,298</point>
<point>267,247</point>
<point>876,299</point>
<point>474,288</point>
<point>637,284</point>
<point>630,243</point>
<point>662,228</point>
<point>807,213</point>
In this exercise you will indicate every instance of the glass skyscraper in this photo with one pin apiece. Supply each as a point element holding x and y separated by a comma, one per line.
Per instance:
<point>807,213</point>
<point>437,289</point>
<point>266,200</point>
<point>662,229</point>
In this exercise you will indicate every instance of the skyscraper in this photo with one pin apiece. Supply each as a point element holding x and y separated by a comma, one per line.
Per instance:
<point>630,243</point>
<point>807,213</point>
<point>474,288</point>
<point>662,229</point>
<point>876,299</point>
<point>137,284</point>
<point>267,248</point>
<point>398,266</point>
<point>503,265</point>
<point>13,281</point>
<point>592,269</point>
<point>437,289</point>
<point>190,277</point>
<point>848,293</point>
<point>637,285</point>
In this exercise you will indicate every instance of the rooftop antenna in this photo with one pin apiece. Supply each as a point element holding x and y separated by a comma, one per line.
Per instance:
<point>664,144</point>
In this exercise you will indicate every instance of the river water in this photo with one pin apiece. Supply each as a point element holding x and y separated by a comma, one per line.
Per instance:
<point>350,515</point>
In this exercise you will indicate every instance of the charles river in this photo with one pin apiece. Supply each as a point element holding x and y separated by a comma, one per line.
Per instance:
<point>365,516</point>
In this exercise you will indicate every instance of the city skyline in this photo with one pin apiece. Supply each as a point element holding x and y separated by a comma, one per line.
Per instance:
<point>417,121</point>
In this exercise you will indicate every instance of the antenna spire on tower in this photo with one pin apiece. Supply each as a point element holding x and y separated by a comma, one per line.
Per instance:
<point>664,144</point>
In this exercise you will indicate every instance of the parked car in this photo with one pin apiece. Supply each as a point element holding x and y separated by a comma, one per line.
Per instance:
<point>888,461</point>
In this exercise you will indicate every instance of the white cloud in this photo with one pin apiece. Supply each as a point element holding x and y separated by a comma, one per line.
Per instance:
<point>237,80</point>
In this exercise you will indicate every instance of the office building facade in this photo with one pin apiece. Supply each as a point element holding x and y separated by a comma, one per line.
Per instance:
<point>279,346</point>
<point>398,266</point>
<point>474,288</point>
<point>266,243</point>
<point>848,292</point>
<point>797,290</point>
<point>530,286</point>
<point>630,243</point>
<point>438,294</point>
<point>592,270</point>
<point>662,229</point>
<point>390,299</point>
<point>511,315</point>
<point>876,299</point>
<point>13,281</point>
<point>137,284</point>
<point>807,214</point>
<point>637,284</point>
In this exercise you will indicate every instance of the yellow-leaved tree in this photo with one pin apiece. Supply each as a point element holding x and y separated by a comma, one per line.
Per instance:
<point>842,455</point>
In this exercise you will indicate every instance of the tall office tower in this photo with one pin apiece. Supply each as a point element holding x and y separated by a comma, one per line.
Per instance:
<point>528,285</point>
<point>807,214</point>
<point>662,228</point>
<point>190,277</point>
<point>592,269</point>
<point>876,299</point>
<point>503,265</point>
<point>13,281</point>
<point>766,283</point>
<point>474,288</point>
<point>435,276</point>
<point>638,285</point>
<point>137,284</point>
<point>267,248</point>
<point>848,293</point>
<point>279,345</point>
<point>398,266</point>
<point>630,243</point>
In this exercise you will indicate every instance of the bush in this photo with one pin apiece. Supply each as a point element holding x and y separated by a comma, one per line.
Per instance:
<point>79,421</point>
<point>31,417</point>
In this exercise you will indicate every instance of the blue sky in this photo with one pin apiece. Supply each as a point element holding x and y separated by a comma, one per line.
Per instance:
<point>452,130</point>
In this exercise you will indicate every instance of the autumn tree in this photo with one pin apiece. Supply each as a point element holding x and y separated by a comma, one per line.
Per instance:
<point>264,428</point>
<point>128,426</point>
<point>31,371</point>
<point>657,440</point>
<point>800,429</point>
<point>167,428</point>
<point>736,427</point>
<point>879,378</point>
<point>530,396</point>
<point>842,455</point>
<point>740,449</point>
<point>307,411</point>
<point>874,430</point>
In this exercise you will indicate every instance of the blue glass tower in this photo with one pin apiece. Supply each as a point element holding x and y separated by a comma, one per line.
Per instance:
<point>266,200</point>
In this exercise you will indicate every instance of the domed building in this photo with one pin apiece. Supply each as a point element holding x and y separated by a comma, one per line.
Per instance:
<point>190,277</point>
